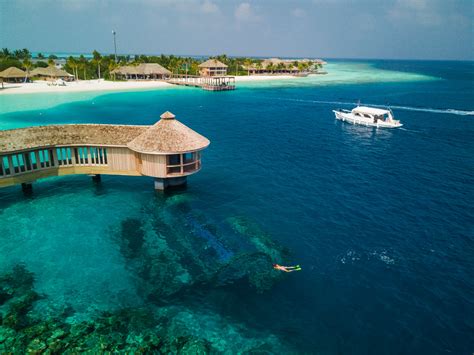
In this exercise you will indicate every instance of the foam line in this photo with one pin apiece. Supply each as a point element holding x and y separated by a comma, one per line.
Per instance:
<point>450,111</point>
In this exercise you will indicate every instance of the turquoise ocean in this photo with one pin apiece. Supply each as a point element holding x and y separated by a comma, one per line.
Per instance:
<point>381,222</point>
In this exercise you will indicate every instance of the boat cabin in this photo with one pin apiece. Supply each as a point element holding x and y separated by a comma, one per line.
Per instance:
<point>376,114</point>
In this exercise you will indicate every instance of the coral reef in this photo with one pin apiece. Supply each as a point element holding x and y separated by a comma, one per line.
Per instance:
<point>178,256</point>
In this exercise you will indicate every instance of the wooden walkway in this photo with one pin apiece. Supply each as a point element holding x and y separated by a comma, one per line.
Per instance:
<point>167,151</point>
<point>210,83</point>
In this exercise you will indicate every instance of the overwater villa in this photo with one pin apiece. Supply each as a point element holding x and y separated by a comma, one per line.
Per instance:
<point>13,75</point>
<point>168,151</point>
<point>143,71</point>
<point>51,72</point>
<point>212,67</point>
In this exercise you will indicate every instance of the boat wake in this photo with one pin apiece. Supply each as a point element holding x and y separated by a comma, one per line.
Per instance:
<point>450,111</point>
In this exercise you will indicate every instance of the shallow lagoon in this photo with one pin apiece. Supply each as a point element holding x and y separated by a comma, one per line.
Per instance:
<point>379,220</point>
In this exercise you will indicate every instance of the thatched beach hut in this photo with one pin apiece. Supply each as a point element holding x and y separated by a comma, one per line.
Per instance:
<point>51,72</point>
<point>212,67</point>
<point>13,74</point>
<point>143,71</point>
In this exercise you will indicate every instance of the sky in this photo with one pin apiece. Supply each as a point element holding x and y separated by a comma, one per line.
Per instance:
<point>392,29</point>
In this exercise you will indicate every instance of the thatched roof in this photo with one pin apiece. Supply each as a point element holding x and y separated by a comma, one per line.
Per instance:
<point>50,71</point>
<point>73,134</point>
<point>168,135</point>
<point>153,68</point>
<point>12,72</point>
<point>125,70</point>
<point>212,63</point>
<point>142,69</point>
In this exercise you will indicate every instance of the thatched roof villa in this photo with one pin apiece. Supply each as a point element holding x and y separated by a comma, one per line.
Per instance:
<point>281,66</point>
<point>51,72</point>
<point>13,74</point>
<point>143,71</point>
<point>212,67</point>
<point>168,151</point>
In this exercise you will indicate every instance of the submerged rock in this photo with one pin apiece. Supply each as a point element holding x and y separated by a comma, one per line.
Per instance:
<point>177,255</point>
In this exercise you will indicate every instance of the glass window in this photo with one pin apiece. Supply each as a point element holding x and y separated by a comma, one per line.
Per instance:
<point>189,157</point>
<point>190,167</point>
<point>6,165</point>
<point>105,155</point>
<point>174,170</point>
<point>33,161</point>
<point>174,159</point>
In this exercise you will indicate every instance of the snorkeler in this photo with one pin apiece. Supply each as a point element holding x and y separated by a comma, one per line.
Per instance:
<point>287,268</point>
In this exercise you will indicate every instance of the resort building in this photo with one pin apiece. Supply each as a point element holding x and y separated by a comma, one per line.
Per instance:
<point>284,66</point>
<point>168,151</point>
<point>212,67</point>
<point>51,72</point>
<point>13,74</point>
<point>144,71</point>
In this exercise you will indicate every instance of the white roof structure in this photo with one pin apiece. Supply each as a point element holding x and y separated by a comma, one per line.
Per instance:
<point>370,110</point>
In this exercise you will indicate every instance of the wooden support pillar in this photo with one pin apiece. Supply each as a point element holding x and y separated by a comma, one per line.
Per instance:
<point>27,188</point>
<point>26,157</point>
<point>162,184</point>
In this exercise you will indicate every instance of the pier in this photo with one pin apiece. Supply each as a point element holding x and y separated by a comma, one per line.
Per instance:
<point>168,151</point>
<point>210,83</point>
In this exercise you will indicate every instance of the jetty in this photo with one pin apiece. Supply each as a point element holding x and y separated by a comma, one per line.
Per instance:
<point>209,83</point>
<point>168,151</point>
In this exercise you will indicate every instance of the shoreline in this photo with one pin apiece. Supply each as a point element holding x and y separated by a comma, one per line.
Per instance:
<point>101,85</point>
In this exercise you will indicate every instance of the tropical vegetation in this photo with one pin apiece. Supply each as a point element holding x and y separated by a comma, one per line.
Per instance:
<point>100,66</point>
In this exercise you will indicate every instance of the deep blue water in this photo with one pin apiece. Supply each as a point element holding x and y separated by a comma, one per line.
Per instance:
<point>382,221</point>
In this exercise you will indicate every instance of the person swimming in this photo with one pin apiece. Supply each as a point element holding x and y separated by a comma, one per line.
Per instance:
<point>286,268</point>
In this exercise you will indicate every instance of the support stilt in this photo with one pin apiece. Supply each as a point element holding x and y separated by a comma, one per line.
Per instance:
<point>162,184</point>
<point>96,178</point>
<point>27,189</point>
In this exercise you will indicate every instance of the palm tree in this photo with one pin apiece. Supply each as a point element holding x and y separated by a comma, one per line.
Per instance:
<point>259,66</point>
<point>248,63</point>
<point>72,62</point>
<point>83,65</point>
<point>280,67</point>
<point>97,60</point>
<point>5,53</point>
<point>270,68</point>
<point>301,66</point>
<point>27,65</point>
<point>113,65</point>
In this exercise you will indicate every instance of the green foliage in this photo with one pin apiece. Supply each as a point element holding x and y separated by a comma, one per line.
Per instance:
<point>9,62</point>
<point>41,64</point>
<point>100,66</point>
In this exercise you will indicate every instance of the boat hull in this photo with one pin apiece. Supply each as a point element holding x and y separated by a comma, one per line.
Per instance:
<point>350,118</point>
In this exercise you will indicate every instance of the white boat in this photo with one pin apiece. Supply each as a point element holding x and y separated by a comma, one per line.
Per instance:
<point>368,116</point>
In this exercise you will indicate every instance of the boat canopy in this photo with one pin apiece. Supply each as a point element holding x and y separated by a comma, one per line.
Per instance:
<point>371,110</point>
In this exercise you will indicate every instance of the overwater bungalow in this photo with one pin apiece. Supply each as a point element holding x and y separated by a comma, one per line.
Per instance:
<point>51,72</point>
<point>212,67</point>
<point>143,71</point>
<point>168,151</point>
<point>13,75</point>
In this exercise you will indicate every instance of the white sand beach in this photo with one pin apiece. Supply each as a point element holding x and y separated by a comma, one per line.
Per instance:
<point>105,85</point>
<point>80,86</point>
<point>247,78</point>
